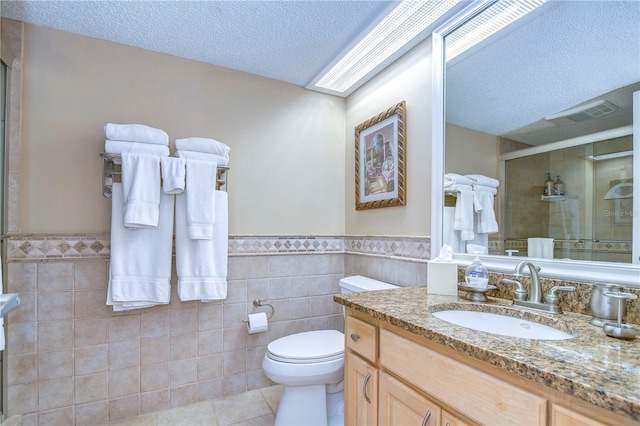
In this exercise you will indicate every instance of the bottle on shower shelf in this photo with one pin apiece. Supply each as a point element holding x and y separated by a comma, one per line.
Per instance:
<point>558,186</point>
<point>548,186</point>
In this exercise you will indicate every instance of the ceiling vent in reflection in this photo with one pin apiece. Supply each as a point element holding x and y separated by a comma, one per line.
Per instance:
<point>582,113</point>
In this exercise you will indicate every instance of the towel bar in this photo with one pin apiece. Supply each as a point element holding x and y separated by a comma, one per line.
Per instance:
<point>111,169</point>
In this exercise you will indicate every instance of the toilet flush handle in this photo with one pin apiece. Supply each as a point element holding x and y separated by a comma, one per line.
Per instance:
<point>354,337</point>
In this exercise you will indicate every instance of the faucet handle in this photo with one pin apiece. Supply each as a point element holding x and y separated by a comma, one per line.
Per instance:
<point>521,293</point>
<point>552,298</point>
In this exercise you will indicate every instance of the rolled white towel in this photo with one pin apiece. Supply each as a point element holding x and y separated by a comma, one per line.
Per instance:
<point>458,188</point>
<point>136,133</point>
<point>210,146</point>
<point>451,179</point>
<point>484,188</point>
<point>484,180</point>
<point>120,147</point>
<point>202,156</point>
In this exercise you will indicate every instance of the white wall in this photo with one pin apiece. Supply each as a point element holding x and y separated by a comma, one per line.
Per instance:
<point>287,143</point>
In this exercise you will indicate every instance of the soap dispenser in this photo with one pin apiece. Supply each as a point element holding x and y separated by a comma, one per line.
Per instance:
<point>548,186</point>
<point>558,186</point>
<point>477,275</point>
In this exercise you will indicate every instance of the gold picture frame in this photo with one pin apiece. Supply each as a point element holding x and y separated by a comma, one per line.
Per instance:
<point>381,159</point>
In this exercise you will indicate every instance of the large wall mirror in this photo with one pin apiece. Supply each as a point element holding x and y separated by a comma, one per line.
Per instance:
<point>548,108</point>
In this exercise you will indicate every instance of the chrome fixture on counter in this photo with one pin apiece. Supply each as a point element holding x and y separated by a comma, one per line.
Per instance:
<point>605,309</point>
<point>551,302</point>
<point>618,329</point>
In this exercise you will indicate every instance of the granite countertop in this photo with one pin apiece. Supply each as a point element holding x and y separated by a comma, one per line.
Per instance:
<point>591,366</point>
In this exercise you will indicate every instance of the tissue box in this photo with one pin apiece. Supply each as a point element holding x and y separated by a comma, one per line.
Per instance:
<point>442,278</point>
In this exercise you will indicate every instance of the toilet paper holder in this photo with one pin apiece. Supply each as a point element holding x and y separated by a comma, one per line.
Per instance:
<point>257,303</point>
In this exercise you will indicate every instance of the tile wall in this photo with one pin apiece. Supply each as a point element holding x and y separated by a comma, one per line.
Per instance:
<point>72,360</point>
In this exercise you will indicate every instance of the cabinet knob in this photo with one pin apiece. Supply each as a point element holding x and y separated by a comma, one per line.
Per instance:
<point>354,337</point>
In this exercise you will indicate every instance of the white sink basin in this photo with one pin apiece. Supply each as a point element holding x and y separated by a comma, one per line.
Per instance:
<point>502,325</point>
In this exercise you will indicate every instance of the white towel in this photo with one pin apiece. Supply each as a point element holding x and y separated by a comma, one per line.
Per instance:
<point>136,133</point>
<point>173,174</point>
<point>140,267</point>
<point>450,236</point>
<point>540,248</point>
<point>141,190</point>
<point>210,146</point>
<point>457,188</point>
<point>464,215</point>
<point>203,156</point>
<point>451,179</point>
<point>486,216</point>
<point>492,190</point>
<point>484,180</point>
<point>120,147</point>
<point>202,264</point>
<point>200,198</point>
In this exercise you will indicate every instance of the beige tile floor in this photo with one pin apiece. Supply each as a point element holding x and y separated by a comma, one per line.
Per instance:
<point>253,408</point>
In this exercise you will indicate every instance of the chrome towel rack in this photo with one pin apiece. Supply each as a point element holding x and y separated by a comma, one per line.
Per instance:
<point>112,171</point>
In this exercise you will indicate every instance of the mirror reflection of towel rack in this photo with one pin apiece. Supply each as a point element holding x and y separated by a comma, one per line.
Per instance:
<point>111,171</point>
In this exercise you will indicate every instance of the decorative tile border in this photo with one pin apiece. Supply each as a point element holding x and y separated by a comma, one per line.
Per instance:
<point>407,247</point>
<point>56,247</point>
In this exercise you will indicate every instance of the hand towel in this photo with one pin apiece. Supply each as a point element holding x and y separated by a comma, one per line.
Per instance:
<point>210,146</point>
<point>203,156</point>
<point>200,198</point>
<point>540,248</point>
<point>478,200</point>
<point>454,178</point>
<point>202,264</point>
<point>173,174</point>
<point>141,190</point>
<point>485,217</point>
<point>140,264</point>
<point>484,180</point>
<point>464,215</point>
<point>450,236</point>
<point>120,147</point>
<point>136,133</point>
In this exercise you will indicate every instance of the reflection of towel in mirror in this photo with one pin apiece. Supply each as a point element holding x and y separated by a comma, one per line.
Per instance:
<point>464,216</point>
<point>451,179</point>
<point>484,180</point>
<point>540,247</point>
<point>450,236</point>
<point>567,214</point>
<point>485,216</point>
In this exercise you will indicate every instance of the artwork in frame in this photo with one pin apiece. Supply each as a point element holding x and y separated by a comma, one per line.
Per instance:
<point>380,160</point>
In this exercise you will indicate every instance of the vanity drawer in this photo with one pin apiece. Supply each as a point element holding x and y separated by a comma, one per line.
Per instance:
<point>361,338</point>
<point>473,393</point>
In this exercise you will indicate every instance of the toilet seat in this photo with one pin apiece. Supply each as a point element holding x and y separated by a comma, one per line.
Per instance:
<point>310,347</point>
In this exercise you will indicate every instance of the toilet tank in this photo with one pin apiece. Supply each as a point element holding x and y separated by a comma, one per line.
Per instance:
<point>358,283</point>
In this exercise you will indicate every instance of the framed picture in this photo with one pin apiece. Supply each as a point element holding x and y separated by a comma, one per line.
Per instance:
<point>380,160</point>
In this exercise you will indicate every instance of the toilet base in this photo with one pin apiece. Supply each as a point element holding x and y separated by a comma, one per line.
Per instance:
<point>310,405</point>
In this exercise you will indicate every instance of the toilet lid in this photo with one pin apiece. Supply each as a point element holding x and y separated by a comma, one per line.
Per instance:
<point>308,347</point>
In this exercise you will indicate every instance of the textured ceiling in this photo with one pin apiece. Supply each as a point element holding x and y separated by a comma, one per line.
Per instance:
<point>291,41</point>
<point>567,53</point>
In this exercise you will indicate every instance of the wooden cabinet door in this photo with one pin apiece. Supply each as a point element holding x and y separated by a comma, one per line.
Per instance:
<point>449,419</point>
<point>360,391</point>
<point>561,416</point>
<point>401,405</point>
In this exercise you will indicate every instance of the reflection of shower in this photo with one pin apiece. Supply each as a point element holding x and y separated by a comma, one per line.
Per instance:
<point>620,190</point>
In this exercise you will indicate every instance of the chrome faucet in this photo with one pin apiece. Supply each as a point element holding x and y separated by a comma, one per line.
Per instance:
<point>552,301</point>
<point>535,292</point>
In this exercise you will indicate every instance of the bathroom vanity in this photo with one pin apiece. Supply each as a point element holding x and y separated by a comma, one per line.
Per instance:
<point>405,366</point>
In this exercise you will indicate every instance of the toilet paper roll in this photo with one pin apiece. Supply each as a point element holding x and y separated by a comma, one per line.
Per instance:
<point>257,323</point>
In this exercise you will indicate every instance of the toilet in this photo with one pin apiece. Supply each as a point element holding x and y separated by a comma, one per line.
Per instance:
<point>310,366</point>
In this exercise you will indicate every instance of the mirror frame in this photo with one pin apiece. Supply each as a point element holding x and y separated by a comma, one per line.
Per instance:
<point>627,274</point>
